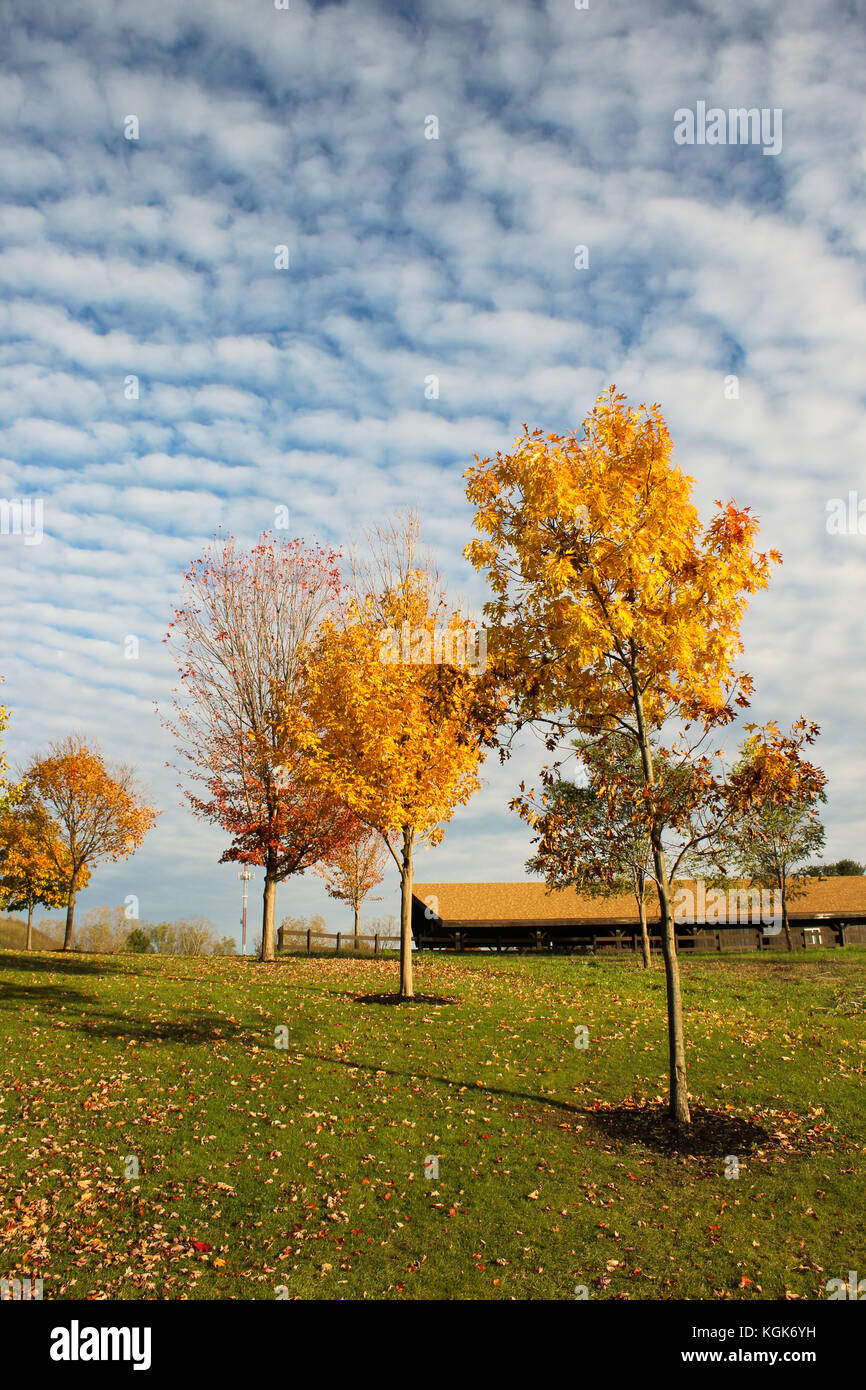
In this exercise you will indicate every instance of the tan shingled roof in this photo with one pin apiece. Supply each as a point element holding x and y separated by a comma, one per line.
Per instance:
<point>530,902</point>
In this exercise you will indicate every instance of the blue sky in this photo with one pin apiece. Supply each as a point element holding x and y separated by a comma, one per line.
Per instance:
<point>410,257</point>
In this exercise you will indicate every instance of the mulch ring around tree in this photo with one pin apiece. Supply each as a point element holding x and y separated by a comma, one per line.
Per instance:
<point>398,999</point>
<point>770,1134</point>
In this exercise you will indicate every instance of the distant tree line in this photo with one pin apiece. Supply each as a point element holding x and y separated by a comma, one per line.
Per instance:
<point>843,868</point>
<point>107,930</point>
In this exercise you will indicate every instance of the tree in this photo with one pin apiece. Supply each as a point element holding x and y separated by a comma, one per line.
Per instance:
<point>30,851</point>
<point>300,926</point>
<point>103,930</point>
<point>187,936</point>
<point>353,872</point>
<point>847,868</point>
<point>843,868</point>
<point>138,942</point>
<point>9,794</point>
<point>225,946</point>
<point>585,843</point>
<point>195,936</point>
<point>774,837</point>
<point>399,740</point>
<point>241,635</point>
<point>615,613</point>
<point>97,809</point>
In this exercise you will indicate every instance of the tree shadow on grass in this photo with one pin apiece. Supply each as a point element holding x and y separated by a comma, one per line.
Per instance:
<point>712,1133</point>
<point>194,1029</point>
<point>58,962</point>
<point>12,995</point>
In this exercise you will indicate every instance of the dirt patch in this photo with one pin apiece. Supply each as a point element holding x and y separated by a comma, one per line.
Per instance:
<point>712,1133</point>
<point>398,999</point>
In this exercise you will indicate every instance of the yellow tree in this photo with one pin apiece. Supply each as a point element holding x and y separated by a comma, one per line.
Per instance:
<point>30,852</point>
<point>355,869</point>
<point>616,612</point>
<point>8,794</point>
<point>97,809</point>
<point>391,728</point>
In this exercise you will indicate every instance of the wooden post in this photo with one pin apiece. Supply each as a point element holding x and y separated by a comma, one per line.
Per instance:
<point>337,952</point>
<point>376,944</point>
<point>498,944</point>
<point>309,934</point>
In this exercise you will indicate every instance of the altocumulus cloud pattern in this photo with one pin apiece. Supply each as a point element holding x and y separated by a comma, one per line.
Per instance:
<point>485,219</point>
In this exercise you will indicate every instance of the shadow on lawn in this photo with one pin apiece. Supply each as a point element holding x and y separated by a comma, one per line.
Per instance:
<point>58,963</point>
<point>711,1133</point>
<point>194,1028</point>
<point>43,994</point>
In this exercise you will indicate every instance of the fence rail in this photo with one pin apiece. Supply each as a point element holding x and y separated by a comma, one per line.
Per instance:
<point>357,945</point>
<point>734,939</point>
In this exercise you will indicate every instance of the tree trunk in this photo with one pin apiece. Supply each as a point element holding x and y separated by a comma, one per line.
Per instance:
<point>786,926</point>
<point>356,943</point>
<point>679,1091</point>
<point>644,937</point>
<point>29,945</point>
<point>406,990</point>
<point>268,900</point>
<point>70,920</point>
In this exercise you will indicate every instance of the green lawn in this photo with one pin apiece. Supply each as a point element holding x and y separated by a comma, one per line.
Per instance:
<point>303,1167</point>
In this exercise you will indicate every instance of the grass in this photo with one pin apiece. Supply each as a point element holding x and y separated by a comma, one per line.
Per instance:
<point>302,1168</point>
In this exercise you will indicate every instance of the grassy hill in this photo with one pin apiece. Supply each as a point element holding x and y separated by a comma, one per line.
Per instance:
<point>263,1168</point>
<point>13,935</point>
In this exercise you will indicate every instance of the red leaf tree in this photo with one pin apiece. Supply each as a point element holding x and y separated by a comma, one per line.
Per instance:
<point>248,619</point>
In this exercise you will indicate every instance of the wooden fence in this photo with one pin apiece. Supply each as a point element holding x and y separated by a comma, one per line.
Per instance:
<point>312,942</point>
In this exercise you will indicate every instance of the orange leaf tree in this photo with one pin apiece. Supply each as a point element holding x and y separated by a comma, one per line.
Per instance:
<point>614,611</point>
<point>8,794</point>
<point>240,638</point>
<point>588,841</point>
<point>399,740</point>
<point>31,850</point>
<point>96,811</point>
<point>780,793</point>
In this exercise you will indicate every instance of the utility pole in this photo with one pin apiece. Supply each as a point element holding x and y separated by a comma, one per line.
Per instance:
<point>245,876</point>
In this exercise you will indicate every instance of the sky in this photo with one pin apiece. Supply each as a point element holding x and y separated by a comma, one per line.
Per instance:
<point>432,171</point>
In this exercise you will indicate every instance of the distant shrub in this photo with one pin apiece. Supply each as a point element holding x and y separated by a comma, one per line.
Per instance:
<point>138,942</point>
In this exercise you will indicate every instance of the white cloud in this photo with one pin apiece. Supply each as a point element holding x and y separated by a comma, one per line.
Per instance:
<point>411,257</point>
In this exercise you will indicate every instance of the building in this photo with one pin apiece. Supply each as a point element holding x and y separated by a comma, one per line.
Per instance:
<point>524,916</point>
